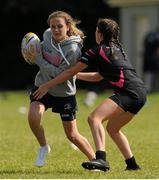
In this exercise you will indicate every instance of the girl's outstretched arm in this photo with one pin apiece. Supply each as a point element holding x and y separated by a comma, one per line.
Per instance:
<point>89,76</point>
<point>65,75</point>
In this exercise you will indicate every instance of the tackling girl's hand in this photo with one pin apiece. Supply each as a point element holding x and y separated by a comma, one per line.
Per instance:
<point>40,92</point>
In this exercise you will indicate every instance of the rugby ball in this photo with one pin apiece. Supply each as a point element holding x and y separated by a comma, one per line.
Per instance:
<point>30,40</point>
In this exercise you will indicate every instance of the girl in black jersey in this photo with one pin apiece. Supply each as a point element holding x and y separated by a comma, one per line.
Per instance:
<point>119,109</point>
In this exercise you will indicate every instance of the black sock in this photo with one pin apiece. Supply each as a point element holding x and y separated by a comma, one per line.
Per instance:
<point>131,162</point>
<point>101,155</point>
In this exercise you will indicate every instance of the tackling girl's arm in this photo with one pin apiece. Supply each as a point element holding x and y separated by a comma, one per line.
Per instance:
<point>65,75</point>
<point>89,76</point>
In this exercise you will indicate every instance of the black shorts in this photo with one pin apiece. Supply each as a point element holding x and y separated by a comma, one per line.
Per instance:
<point>65,106</point>
<point>129,103</point>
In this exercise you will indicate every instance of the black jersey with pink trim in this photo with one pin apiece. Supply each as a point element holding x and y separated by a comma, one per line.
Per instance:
<point>113,65</point>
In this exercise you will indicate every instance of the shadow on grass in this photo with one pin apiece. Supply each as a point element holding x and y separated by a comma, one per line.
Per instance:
<point>39,171</point>
<point>23,172</point>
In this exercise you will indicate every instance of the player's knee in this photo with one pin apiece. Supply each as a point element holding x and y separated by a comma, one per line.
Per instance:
<point>92,120</point>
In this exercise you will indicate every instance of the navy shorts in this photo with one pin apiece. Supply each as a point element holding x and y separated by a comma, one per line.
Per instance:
<point>65,106</point>
<point>130,103</point>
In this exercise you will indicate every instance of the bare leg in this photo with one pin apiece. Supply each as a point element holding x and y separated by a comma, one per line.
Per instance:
<point>35,113</point>
<point>103,112</point>
<point>113,127</point>
<point>109,110</point>
<point>98,133</point>
<point>76,138</point>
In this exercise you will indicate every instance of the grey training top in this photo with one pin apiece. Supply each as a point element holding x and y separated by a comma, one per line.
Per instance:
<point>55,58</point>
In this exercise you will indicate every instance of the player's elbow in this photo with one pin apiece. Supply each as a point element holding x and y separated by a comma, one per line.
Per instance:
<point>97,77</point>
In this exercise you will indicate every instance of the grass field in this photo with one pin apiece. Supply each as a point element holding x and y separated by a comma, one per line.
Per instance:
<point>18,147</point>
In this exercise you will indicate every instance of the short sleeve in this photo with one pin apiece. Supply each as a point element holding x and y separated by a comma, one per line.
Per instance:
<point>88,57</point>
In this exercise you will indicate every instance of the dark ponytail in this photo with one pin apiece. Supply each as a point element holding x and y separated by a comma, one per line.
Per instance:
<point>110,31</point>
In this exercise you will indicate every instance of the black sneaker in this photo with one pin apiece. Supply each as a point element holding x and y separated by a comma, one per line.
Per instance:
<point>96,164</point>
<point>133,168</point>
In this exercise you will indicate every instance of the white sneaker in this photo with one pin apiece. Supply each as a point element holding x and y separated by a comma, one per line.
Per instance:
<point>43,151</point>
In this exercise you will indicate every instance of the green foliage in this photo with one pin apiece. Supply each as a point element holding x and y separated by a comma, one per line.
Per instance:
<point>18,146</point>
